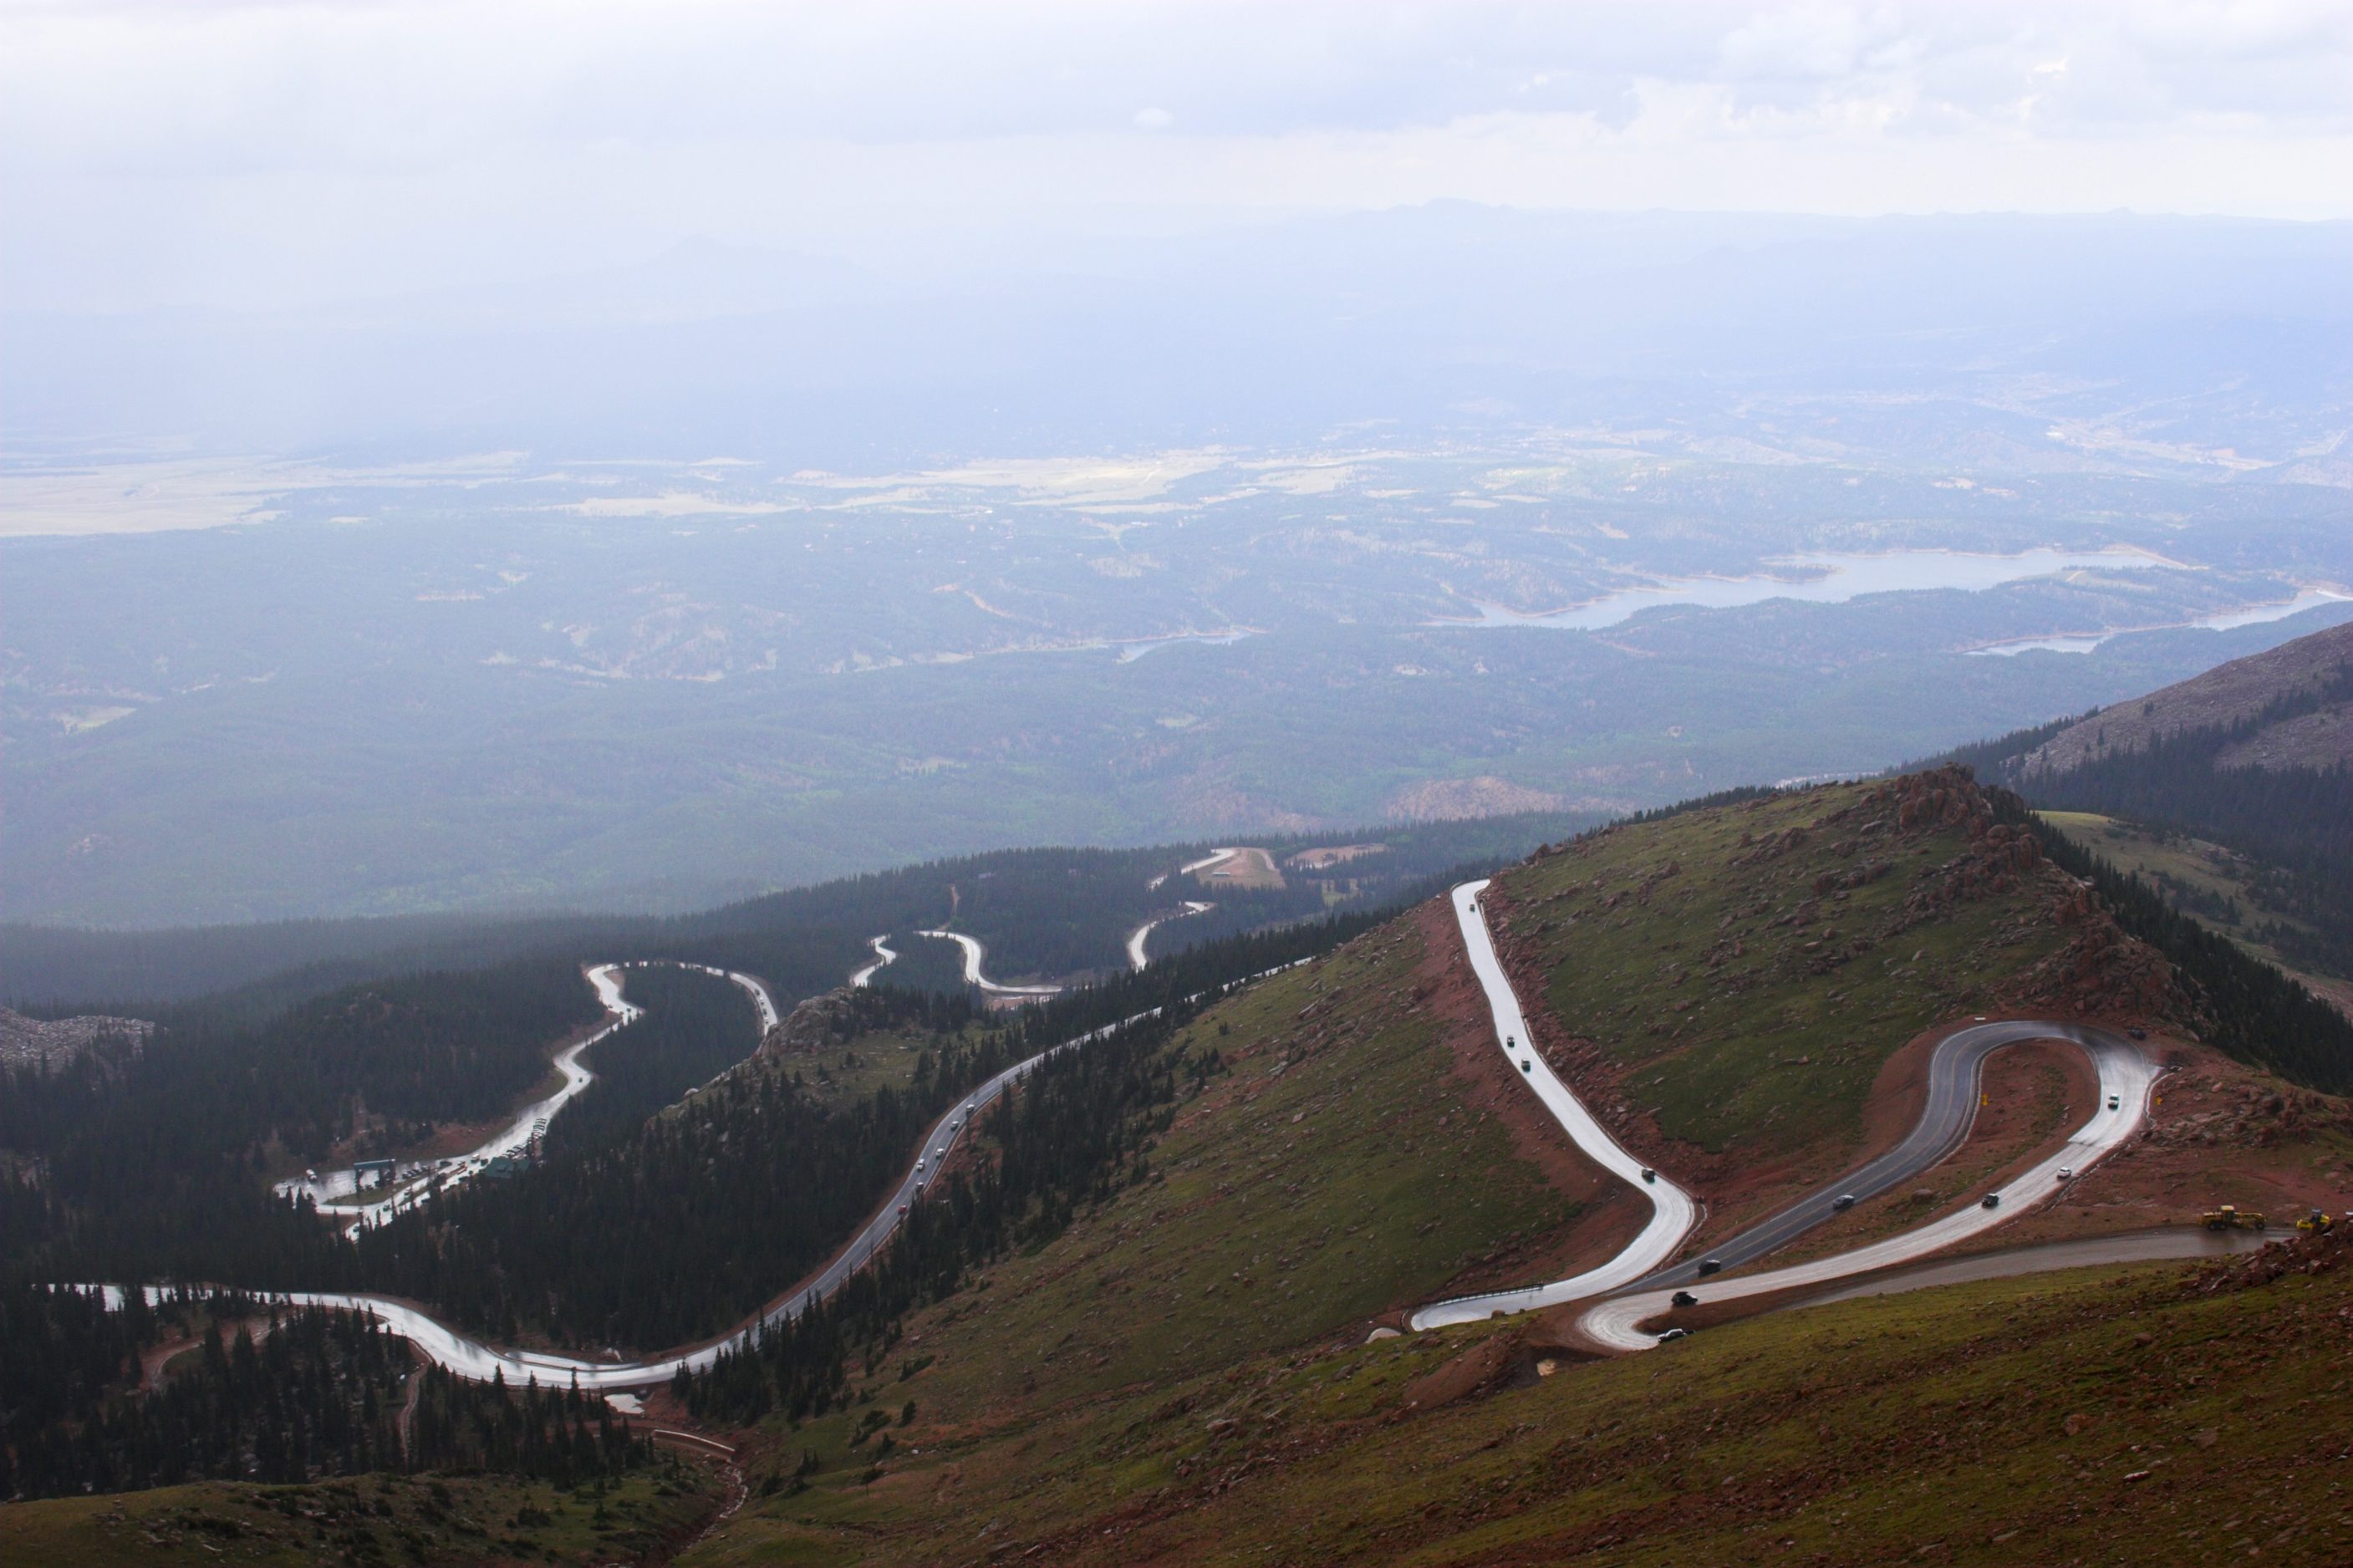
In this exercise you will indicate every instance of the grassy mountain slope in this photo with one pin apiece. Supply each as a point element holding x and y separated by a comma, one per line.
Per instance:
<point>2155,1415</point>
<point>1185,1373</point>
<point>1345,1164</point>
<point>2254,759</point>
<point>1744,994</point>
<point>453,1522</point>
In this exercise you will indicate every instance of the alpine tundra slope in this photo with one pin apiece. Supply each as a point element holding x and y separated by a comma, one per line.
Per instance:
<point>1673,1210</point>
<point>1633,1285</point>
<point>2125,1075</point>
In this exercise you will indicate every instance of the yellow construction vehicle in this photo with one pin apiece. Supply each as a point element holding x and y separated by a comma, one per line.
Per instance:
<point>2317,1222</point>
<point>2229,1218</point>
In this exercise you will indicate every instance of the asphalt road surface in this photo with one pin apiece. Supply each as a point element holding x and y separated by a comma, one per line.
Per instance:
<point>883,957</point>
<point>1953,1075</point>
<point>2172,1242</point>
<point>2126,1078</point>
<point>975,955</point>
<point>422,1180</point>
<point>1673,1212</point>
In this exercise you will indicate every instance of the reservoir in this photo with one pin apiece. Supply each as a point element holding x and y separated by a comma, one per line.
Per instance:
<point>1825,578</point>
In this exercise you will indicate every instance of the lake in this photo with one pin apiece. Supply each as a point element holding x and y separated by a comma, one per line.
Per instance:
<point>1826,578</point>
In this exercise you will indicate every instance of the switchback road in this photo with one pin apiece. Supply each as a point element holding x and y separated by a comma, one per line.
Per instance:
<point>883,957</point>
<point>973,956</point>
<point>1673,1212</point>
<point>471,1358</point>
<point>1135,955</point>
<point>422,1180</point>
<point>2126,1078</point>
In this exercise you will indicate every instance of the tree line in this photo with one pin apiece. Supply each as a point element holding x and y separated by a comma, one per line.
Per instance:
<point>2257,1014</point>
<point>270,1393</point>
<point>1081,1127</point>
<point>693,1220</point>
<point>2296,822</point>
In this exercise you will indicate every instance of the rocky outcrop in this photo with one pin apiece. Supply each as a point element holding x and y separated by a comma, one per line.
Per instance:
<point>2103,973</point>
<point>2302,1253</point>
<point>816,1024</point>
<point>30,1042</point>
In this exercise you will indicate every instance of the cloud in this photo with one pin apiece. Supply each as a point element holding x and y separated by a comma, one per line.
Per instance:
<point>226,153</point>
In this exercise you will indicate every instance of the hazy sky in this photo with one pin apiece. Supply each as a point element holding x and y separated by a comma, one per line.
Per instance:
<point>180,151</point>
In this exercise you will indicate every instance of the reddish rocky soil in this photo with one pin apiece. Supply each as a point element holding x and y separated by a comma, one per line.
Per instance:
<point>2287,1148</point>
<point>2219,1132</point>
<point>1613,1213</point>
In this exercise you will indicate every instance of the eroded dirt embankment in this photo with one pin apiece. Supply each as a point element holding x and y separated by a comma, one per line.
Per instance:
<point>1611,1213</point>
<point>2071,964</point>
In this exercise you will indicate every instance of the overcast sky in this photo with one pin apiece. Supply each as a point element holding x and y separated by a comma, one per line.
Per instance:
<point>184,153</point>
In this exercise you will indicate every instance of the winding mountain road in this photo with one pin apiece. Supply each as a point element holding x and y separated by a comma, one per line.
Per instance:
<point>883,957</point>
<point>1634,1284</point>
<point>447,1175</point>
<point>1944,1126</point>
<point>1135,955</point>
<point>472,1358</point>
<point>1673,1211</point>
<point>1632,1287</point>
<point>975,955</point>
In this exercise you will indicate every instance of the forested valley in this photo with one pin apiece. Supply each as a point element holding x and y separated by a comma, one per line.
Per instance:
<point>157,1165</point>
<point>1081,1127</point>
<point>221,1387</point>
<point>2296,823</point>
<point>693,1219</point>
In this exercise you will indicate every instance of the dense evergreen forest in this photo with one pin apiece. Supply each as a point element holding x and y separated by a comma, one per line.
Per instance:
<point>2257,1014</point>
<point>258,1393</point>
<point>692,1220</point>
<point>1040,911</point>
<point>692,1028</point>
<point>1082,1127</point>
<point>2298,822</point>
<point>924,963</point>
<point>163,1174</point>
<point>381,1061</point>
<point>159,1167</point>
